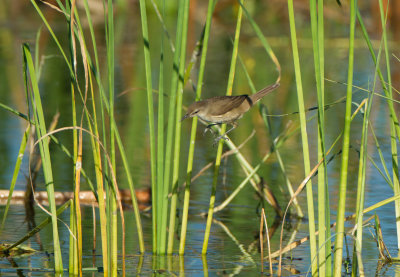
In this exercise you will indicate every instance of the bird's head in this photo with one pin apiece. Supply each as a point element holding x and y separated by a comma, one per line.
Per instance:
<point>193,110</point>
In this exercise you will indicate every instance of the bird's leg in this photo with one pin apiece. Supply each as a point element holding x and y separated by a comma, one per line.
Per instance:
<point>208,128</point>
<point>234,125</point>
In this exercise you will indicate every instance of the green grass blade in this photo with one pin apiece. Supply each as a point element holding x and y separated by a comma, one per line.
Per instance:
<point>53,35</point>
<point>263,40</point>
<point>390,101</point>
<point>16,112</point>
<point>15,174</point>
<point>45,154</point>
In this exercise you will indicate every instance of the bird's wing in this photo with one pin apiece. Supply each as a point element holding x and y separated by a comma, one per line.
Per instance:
<point>235,101</point>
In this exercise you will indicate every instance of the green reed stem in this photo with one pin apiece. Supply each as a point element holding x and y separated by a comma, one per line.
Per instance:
<point>204,43</point>
<point>317,30</point>
<point>170,131</point>
<point>163,188</point>
<point>204,47</point>
<point>44,152</point>
<point>96,71</point>
<point>105,220</point>
<point>111,195</point>
<point>147,61</point>
<point>361,186</point>
<point>73,268</point>
<point>104,105</point>
<point>231,78</point>
<point>96,152</point>
<point>77,144</point>
<point>393,115</point>
<point>74,254</point>
<point>181,68</point>
<point>395,162</point>
<point>362,173</point>
<point>304,139</point>
<point>338,254</point>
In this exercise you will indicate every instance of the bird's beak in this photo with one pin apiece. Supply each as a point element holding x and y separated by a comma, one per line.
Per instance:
<point>184,117</point>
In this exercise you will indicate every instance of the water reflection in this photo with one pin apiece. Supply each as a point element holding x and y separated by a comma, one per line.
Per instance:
<point>234,243</point>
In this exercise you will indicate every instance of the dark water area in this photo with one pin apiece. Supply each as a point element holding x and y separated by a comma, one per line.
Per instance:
<point>234,246</point>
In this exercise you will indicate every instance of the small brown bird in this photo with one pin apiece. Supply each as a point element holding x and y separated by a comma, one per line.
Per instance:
<point>225,109</point>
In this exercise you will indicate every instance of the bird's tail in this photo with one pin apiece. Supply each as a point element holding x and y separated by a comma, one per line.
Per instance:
<point>261,93</point>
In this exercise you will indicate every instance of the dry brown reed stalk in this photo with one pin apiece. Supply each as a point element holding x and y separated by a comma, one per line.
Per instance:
<point>299,189</point>
<point>299,242</point>
<point>383,250</point>
<point>263,218</point>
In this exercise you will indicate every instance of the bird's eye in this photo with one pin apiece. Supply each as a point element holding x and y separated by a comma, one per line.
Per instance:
<point>196,111</point>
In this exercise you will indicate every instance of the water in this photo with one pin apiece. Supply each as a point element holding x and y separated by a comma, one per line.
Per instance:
<point>233,246</point>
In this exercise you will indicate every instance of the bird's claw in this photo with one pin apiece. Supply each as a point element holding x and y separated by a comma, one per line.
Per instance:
<point>217,139</point>
<point>208,128</point>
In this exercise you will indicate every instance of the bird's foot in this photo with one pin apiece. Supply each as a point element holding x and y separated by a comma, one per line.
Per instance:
<point>217,139</point>
<point>208,128</point>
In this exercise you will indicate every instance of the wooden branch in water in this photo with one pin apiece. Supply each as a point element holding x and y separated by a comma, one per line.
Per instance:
<point>86,197</point>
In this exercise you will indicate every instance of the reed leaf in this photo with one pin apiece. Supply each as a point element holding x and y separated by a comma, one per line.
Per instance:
<point>17,167</point>
<point>44,151</point>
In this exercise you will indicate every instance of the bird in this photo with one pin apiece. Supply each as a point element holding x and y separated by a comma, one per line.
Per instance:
<point>225,109</point>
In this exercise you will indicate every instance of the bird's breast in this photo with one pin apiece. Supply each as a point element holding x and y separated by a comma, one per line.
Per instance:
<point>227,117</point>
